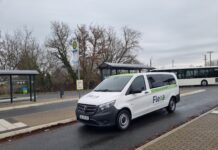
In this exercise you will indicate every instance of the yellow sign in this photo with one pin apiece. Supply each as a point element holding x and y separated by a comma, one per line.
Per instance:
<point>74,45</point>
<point>79,84</point>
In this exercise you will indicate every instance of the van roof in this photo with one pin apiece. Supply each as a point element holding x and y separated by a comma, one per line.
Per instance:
<point>125,74</point>
<point>146,73</point>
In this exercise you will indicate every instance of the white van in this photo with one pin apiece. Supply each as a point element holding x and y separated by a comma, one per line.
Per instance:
<point>120,98</point>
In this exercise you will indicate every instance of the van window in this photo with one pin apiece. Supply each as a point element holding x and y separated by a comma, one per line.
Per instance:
<point>138,83</point>
<point>158,80</point>
<point>168,79</point>
<point>113,84</point>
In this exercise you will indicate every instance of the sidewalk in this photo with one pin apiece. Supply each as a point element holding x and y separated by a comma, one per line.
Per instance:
<point>30,122</point>
<point>198,134</point>
<point>27,123</point>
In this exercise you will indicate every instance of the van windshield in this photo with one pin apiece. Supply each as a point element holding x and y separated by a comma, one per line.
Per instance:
<point>113,84</point>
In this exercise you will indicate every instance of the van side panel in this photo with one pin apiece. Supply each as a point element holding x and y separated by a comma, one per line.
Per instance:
<point>154,98</point>
<point>161,96</point>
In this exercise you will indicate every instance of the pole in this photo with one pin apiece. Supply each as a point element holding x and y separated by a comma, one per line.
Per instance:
<point>210,52</point>
<point>173,63</point>
<point>30,86</point>
<point>151,62</point>
<point>210,59</point>
<point>205,60</point>
<point>11,88</point>
<point>34,88</point>
<point>75,46</point>
<point>78,71</point>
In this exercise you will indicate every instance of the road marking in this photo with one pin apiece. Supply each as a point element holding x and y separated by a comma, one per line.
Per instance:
<point>2,128</point>
<point>20,124</point>
<point>193,92</point>
<point>30,129</point>
<point>215,112</point>
<point>5,125</point>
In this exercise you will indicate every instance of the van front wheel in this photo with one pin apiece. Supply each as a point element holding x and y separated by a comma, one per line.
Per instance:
<point>172,106</point>
<point>123,120</point>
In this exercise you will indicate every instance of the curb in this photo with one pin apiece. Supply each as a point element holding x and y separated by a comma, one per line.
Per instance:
<point>172,131</point>
<point>35,128</point>
<point>36,104</point>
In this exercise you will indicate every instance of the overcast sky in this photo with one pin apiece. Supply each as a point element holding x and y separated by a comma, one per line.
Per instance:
<point>182,30</point>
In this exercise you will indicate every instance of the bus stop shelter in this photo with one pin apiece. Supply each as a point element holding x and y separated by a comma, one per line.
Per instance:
<point>108,69</point>
<point>31,74</point>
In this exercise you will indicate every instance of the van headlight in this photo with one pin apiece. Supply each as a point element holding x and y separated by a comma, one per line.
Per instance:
<point>106,106</point>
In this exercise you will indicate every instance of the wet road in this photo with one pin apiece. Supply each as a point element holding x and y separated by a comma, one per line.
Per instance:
<point>77,136</point>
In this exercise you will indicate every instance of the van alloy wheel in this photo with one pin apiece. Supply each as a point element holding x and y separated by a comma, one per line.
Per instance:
<point>123,120</point>
<point>172,106</point>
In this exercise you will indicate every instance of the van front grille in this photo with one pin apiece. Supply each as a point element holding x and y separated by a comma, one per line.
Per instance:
<point>87,109</point>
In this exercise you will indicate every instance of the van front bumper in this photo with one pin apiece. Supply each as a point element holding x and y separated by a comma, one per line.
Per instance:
<point>100,119</point>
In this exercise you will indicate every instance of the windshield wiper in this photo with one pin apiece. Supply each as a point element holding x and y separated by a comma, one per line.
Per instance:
<point>103,90</point>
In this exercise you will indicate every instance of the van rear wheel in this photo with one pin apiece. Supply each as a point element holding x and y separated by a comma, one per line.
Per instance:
<point>172,106</point>
<point>123,120</point>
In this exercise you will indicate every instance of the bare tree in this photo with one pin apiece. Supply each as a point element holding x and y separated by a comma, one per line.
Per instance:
<point>120,49</point>
<point>60,42</point>
<point>10,47</point>
<point>129,42</point>
<point>30,53</point>
<point>19,50</point>
<point>99,44</point>
<point>1,51</point>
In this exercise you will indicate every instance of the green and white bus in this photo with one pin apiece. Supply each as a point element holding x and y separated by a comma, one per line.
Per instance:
<point>194,76</point>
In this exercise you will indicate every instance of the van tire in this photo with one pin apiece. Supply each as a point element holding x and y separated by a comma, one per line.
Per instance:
<point>204,83</point>
<point>171,106</point>
<point>123,120</point>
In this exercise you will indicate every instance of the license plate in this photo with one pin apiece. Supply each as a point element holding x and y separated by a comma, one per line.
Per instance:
<point>84,117</point>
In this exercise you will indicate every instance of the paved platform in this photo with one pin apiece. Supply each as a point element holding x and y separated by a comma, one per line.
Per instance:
<point>200,134</point>
<point>31,122</point>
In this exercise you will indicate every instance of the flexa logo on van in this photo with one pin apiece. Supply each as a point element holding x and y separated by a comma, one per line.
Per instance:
<point>157,99</point>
